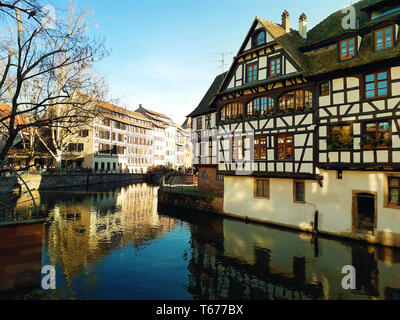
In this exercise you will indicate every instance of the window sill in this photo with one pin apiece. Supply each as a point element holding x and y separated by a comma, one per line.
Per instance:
<point>264,198</point>
<point>346,59</point>
<point>392,206</point>
<point>376,98</point>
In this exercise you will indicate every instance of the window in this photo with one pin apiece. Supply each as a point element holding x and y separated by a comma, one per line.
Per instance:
<point>232,112</point>
<point>394,188</point>
<point>237,148</point>
<point>347,49</point>
<point>384,38</point>
<point>210,151</point>
<point>260,39</point>
<point>260,148</point>
<point>274,67</point>
<point>299,191</point>
<point>261,188</point>
<point>105,135</point>
<point>252,72</point>
<point>340,137</point>
<point>75,147</point>
<point>376,85</point>
<point>260,107</point>
<point>299,100</point>
<point>84,133</point>
<point>219,177</point>
<point>208,121</point>
<point>199,123</point>
<point>204,176</point>
<point>285,147</point>
<point>324,89</point>
<point>377,135</point>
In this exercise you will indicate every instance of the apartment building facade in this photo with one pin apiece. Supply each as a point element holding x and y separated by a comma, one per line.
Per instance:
<point>117,140</point>
<point>304,126</point>
<point>170,140</point>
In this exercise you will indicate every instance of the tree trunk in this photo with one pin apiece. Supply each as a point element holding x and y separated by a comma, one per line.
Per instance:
<point>58,159</point>
<point>7,146</point>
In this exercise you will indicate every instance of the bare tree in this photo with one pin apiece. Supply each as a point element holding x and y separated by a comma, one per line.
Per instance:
<point>54,63</point>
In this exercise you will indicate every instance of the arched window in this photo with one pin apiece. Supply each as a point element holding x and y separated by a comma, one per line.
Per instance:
<point>231,112</point>
<point>260,106</point>
<point>204,176</point>
<point>299,100</point>
<point>260,38</point>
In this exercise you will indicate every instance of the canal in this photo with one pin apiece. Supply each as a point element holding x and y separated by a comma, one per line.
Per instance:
<point>114,243</point>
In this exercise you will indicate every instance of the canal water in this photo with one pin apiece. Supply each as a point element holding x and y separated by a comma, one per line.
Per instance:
<point>114,243</point>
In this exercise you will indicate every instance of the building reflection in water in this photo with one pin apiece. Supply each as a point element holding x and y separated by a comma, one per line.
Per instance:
<point>84,227</point>
<point>116,243</point>
<point>234,260</point>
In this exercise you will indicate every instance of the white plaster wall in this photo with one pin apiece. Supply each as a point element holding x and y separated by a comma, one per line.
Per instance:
<point>333,201</point>
<point>280,208</point>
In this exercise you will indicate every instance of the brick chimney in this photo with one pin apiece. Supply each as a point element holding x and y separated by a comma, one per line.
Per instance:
<point>286,21</point>
<point>303,25</point>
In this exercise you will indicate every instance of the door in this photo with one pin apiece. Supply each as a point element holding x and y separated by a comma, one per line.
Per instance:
<point>364,205</point>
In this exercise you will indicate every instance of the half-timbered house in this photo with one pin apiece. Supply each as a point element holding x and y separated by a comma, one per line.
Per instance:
<point>203,136</point>
<point>308,124</point>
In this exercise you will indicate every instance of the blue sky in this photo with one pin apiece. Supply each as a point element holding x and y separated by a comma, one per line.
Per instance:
<point>161,50</point>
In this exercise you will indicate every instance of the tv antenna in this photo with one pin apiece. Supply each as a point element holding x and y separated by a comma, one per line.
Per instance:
<point>221,63</point>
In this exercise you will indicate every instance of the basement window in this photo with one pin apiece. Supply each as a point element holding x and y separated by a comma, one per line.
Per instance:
<point>261,188</point>
<point>394,191</point>
<point>299,191</point>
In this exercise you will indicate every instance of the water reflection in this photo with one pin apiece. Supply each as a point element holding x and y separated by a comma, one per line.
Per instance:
<point>114,243</point>
<point>234,260</point>
<point>85,227</point>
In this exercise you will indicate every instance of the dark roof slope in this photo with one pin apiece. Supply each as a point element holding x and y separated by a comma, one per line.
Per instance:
<point>205,104</point>
<point>324,58</point>
<point>331,27</point>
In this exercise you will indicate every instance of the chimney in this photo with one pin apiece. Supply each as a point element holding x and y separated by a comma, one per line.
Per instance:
<point>303,25</point>
<point>286,21</point>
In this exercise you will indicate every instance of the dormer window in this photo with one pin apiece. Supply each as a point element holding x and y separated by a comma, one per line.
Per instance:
<point>384,38</point>
<point>347,49</point>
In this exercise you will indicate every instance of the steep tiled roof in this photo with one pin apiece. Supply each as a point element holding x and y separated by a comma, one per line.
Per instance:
<point>156,114</point>
<point>290,41</point>
<point>205,103</point>
<point>132,114</point>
